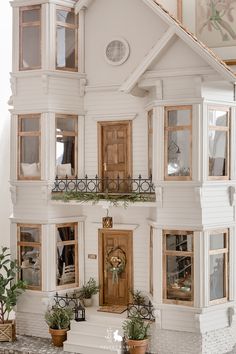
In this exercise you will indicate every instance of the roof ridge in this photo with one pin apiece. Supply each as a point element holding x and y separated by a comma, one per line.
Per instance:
<point>194,37</point>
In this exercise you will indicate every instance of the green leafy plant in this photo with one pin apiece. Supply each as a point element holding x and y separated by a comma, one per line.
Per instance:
<point>10,288</point>
<point>89,289</point>
<point>138,298</point>
<point>59,318</point>
<point>114,199</point>
<point>135,328</point>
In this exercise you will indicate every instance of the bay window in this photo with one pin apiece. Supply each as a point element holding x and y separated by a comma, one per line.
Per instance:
<point>30,37</point>
<point>67,39</point>
<point>178,143</point>
<point>178,280</point>
<point>29,133</point>
<point>218,143</point>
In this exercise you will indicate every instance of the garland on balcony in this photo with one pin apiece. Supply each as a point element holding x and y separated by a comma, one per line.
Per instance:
<point>115,200</point>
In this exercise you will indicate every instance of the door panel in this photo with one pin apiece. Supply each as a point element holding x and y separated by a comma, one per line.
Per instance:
<point>115,152</point>
<point>115,245</point>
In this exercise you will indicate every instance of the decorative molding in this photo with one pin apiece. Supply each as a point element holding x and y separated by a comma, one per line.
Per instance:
<point>178,72</point>
<point>45,83</point>
<point>82,82</point>
<point>82,4</point>
<point>102,88</point>
<point>46,193</point>
<point>18,3</point>
<point>48,221</point>
<point>159,196</point>
<point>118,226</point>
<point>152,223</point>
<point>49,73</point>
<point>232,195</point>
<point>13,82</point>
<point>129,84</point>
<point>13,191</point>
<point>199,195</point>
<point>231,315</point>
<point>112,116</point>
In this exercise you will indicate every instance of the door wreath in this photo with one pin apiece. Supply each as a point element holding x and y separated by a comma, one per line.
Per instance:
<point>116,264</point>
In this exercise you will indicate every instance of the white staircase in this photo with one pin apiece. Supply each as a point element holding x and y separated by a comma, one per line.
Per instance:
<point>99,334</point>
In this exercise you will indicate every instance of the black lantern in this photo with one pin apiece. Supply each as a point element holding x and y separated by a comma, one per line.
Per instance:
<point>79,313</point>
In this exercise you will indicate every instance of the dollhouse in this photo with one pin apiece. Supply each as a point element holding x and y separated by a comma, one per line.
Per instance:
<point>116,100</point>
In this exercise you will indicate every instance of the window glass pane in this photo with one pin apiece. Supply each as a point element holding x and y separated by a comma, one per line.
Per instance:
<point>217,275</point>
<point>179,117</point>
<point>30,265</point>
<point>65,124</point>
<point>66,16</point>
<point>30,149</point>
<point>179,278</point>
<point>29,234</point>
<point>31,15</point>
<point>217,153</point>
<point>65,264</point>
<point>66,44</point>
<point>65,155</point>
<point>218,118</point>
<point>217,241</point>
<point>66,233</point>
<point>179,153</point>
<point>31,56</point>
<point>29,125</point>
<point>182,243</point>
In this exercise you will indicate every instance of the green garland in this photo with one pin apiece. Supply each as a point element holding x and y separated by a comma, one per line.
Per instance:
<point>125,199</point>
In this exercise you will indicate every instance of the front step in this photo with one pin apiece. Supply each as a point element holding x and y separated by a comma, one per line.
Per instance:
<point>101,333</point>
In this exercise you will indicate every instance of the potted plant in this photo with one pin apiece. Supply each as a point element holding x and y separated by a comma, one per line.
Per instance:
<point>10,289</point>
<point>138,297</point>
<point>136,334</point>
<point>87,291</point>
<point>58,320</point>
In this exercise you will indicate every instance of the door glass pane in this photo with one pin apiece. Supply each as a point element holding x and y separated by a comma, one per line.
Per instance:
<point>218,145</point>
<point>65,124</point>
<point>179,117</point>
<point>179,278</point>
<point>179,153</point>
<point>66,44</point>
<point>217,276</point>
<point>66,16</point>
<point>218,118</point>
<point>66,233</point>
<point>29,125</point>
<point>30,265</point>
<point>31,56</point>
<point>217,241</point>
<point>65,264</point>
<point>182,243</point>
<point>31,15</point>
<point>29,234</point>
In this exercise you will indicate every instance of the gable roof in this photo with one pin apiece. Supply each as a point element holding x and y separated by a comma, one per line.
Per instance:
<point>176,28</point>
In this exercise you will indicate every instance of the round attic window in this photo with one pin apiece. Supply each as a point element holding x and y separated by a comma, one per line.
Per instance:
<point>117,51</point>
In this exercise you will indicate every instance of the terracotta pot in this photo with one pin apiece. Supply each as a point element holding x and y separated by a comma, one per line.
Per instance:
<point>88,302</point>
<point>8,331</point>
<point>58,336</point>
<point>137,346</point>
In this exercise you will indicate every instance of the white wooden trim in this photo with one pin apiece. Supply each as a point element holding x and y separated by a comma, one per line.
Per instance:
<point>82,4</point>
<point>118,226</point>
<point>129,84</point>
<point>102,88</point>
<point>81,46</point>
<point>164,73</point>
<point>198,268</point>
<point>81,253</point>
<point>81,144</point>
<point>112,116</point>
<point>232,265</point>
<point>69,219</point>
<point>157,266</point>
<point>19,3</point>
<point>158,144</point>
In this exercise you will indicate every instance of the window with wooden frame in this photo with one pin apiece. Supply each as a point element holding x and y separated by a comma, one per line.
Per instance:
<point>67,255</point>
<point>29,255</point>
<point>66,145</point>
<point>218,142</point>
<point>29,146</point>
<point>178,143</point>
<point>150,141</point>
<point>67,39</point>
<point>151,262</point>
<point>218,266</point>
<point>30,37</point>
<point>178,279</point>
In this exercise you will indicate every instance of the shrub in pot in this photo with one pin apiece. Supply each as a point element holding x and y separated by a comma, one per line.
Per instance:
<point>138,297</point>
<point>87,291</point>
<point>58,320</point>
<point>136,334</point>
<point>10,290</point>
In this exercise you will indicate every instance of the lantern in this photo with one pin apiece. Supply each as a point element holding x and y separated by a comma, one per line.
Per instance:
<point>107,221</point>
<point>79,313</point>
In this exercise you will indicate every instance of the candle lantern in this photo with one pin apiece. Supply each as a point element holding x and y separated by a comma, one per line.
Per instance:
<point>107,221</point>
<point>79,313</point>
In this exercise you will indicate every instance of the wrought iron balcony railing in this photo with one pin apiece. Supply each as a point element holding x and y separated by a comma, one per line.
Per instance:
<point>104,185</point>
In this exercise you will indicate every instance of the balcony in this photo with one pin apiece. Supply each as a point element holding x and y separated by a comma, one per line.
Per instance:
<point>95,189</point>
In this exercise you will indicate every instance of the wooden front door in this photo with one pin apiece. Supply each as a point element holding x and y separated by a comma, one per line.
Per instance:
<point>115,152</point>
<point>115,266</point>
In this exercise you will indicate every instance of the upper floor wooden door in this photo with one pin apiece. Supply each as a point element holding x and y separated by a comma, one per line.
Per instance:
<point>115,150</point>
<point>115,266</point>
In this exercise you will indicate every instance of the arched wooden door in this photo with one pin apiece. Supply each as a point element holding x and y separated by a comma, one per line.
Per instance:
<point>115,266</point>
